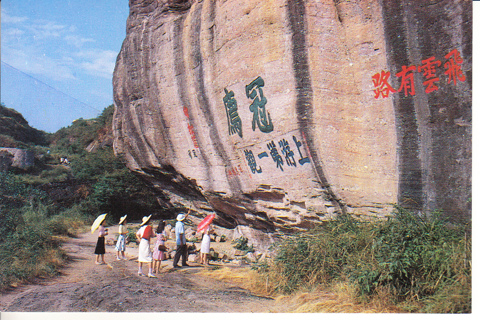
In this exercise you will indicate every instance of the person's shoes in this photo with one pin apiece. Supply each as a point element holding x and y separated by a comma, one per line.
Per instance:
<point>151,275</point>
<point>185,265</point>
<point>141,274</point>
<point>177,267</point>
<point>118,258</point>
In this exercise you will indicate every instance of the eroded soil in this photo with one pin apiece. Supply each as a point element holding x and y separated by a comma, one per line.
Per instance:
<point>116,287</point>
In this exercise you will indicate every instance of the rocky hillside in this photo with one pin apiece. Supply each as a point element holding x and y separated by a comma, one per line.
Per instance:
<point>278,114</point>
<point>16,136</point>
<point>16,132</point>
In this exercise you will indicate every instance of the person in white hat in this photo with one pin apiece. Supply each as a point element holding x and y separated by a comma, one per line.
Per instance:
<point>181,241</point>
<point>144,253</point>
<point>122,239</point>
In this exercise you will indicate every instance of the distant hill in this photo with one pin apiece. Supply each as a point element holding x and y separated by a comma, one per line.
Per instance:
<point>15,132</point>
<point>88,135</point>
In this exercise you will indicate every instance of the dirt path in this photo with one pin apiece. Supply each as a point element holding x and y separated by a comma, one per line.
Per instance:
<point>116,287</point>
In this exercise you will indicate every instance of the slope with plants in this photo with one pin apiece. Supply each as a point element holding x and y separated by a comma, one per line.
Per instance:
<point>15,132</point>
<point>52,200</point>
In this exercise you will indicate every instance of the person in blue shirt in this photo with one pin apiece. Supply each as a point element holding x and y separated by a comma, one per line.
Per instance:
<point>181,241</point>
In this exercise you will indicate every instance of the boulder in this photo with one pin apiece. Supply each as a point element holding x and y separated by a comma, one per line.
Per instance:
<point>260,240</point>
<point>251,257</point>
<point>238,253</point>
<point>279,115</point>
<point>16,158</point>
<point>193,257</point>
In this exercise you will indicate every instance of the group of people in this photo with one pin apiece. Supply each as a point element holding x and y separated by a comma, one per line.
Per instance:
<point>145,254</point>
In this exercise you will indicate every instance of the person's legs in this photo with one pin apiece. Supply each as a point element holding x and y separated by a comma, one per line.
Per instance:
<point>150,270</point>
<point>140,272</point>
<point>178,252</point>
<point>184,255</point>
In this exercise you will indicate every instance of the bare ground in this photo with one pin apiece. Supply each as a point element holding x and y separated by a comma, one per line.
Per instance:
<point>116,287</point>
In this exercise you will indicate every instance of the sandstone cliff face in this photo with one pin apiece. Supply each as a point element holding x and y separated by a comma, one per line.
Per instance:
<point>278,114</point>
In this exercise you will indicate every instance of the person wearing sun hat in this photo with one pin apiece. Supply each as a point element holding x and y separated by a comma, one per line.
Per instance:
<point>181,241</point>
<point>122,239</point>
<point>144,252</point>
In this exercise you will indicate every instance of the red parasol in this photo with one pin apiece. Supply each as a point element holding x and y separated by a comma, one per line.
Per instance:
<point>205,222</point>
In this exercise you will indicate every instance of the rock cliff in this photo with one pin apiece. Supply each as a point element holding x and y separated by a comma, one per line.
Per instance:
<point>279,114</point>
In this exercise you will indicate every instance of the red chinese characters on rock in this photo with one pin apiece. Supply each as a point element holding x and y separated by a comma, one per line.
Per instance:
<point>407,83</point>
<point>190,128</point>
<point>428,68</point>
<point>235,171</point>
<point>380,81</point>
<point>429,72</point>
<point>453,67</point>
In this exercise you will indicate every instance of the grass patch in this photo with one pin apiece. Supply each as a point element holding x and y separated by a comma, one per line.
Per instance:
<point>409,262</point>
<point>31,231</point>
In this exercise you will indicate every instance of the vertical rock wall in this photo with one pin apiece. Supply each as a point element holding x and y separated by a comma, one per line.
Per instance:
<point>272,113</point>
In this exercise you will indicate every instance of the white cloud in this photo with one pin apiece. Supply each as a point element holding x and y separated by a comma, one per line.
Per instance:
<point>13,32</point>
<point>33,64</point>
<point>6,18</point>
<point>77,41</point>
<point>53,50</point>
<point>99,62</point>
<point>46,29</point>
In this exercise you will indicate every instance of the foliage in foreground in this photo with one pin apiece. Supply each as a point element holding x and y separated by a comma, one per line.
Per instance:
<point>422,263</point>
<point>33,223</point>
<point>30,229</point>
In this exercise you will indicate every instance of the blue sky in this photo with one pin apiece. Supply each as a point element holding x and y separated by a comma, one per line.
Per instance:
<point>58,58</point>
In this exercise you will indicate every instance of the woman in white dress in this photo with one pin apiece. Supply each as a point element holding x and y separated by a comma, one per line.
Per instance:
<point>144,252</point>
<point>205,247</point>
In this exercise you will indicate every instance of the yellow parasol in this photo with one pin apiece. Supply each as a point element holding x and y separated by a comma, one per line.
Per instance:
<point>98,222</point>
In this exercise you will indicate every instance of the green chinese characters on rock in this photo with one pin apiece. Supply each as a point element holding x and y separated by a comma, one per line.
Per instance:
<point>261,117</point>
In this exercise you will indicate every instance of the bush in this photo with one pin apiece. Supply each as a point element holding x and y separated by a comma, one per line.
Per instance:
<point>415,258</point>
<point>242,244</point>
<point>28,248</point>
<point>131,235</point>
<point>29,245</point>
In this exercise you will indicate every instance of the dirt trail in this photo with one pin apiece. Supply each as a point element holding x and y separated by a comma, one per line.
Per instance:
<point>116,287</point>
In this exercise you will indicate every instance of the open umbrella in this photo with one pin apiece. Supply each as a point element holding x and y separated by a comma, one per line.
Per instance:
<point>98,222</point>
<point>205,222</point>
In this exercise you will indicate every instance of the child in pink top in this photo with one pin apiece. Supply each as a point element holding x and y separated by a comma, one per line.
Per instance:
<point>158,255</point>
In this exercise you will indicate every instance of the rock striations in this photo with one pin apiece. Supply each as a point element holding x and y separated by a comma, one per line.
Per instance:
<point>278,114</point>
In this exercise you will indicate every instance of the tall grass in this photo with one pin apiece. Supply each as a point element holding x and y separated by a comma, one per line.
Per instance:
<point>419,263</point>
<point>31,229</point>
<point>31,242</point>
